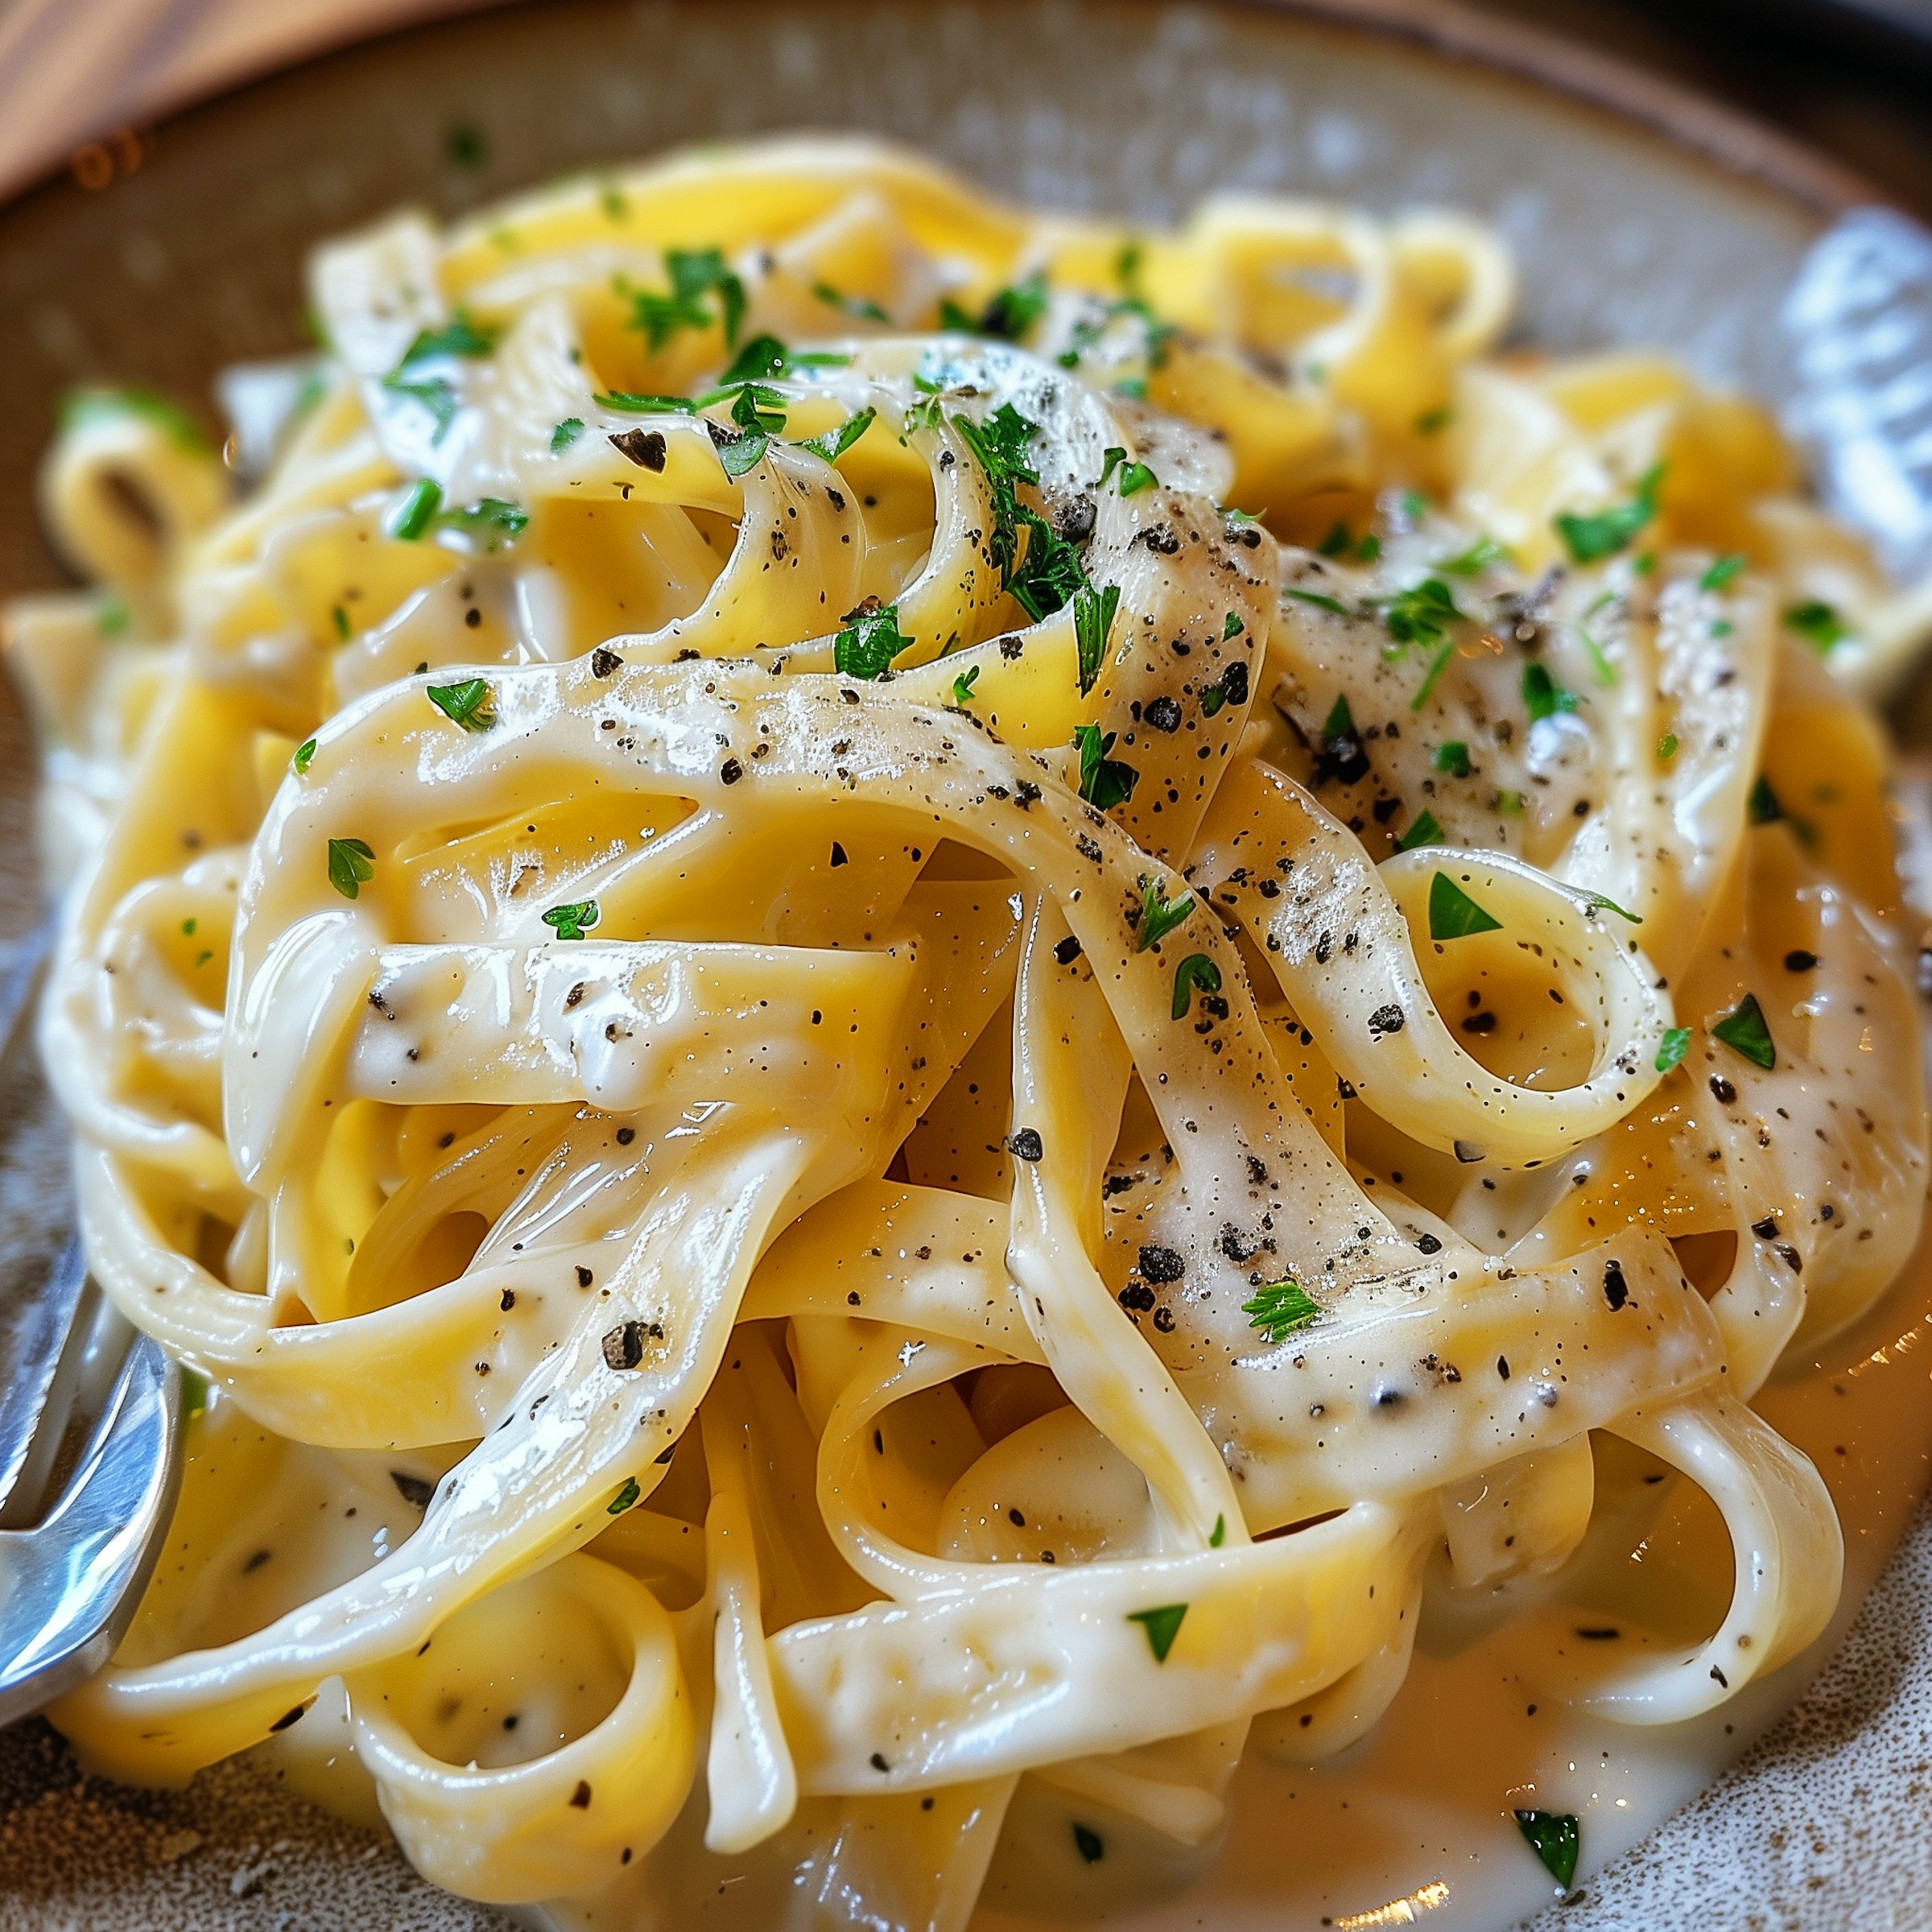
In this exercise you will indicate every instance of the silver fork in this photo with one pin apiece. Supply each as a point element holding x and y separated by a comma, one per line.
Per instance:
<point>89,1460</point>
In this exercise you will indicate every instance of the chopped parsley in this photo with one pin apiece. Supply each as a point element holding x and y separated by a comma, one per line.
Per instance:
<point>1666,747</point>
<point>1423,830</point>
<point>1453,915</point>
<point>1819,624</point>
<point>1599,902</point>
<point>1162,1625</point>
<point>632,403</point>
<point>339,619</point>
<point>352,865</point>
<point>1232,626</point>
<point>1543,696</point>
<point>1555,1839</point>
<point>1160,914</point>
<point>1093,610</point>
<point>461,337</point>
<point>573,921</point>
<point>436,395</point>
<point>1476,559</point>
<point>1105,782</point>
<point>1590,538</point>
<point>850,305</point>
<point>1336,542</point>
<point>113,619</point>
<point>1451,756</point>
<point>565,434</point>
<point>1721,571</point>
<point>869,642</point>
<point>1136,477</point>
<point>1220,1533</point>
<point>492,521</point>
<point>1009,314</point>
<point>1280,1308</point>
<point>694,273</point>
<point>305,755</point>
<point>413,516</point>
<point>1420,614</point>
<point>836,442</point>
<point>624,1498</point>
<point>1438,665</point>
<point>469,704</point>
<point>962,684</point>
<point>1431,421</point>
<point>1320,601</point>
<point>1743,1029</point>
<point>1672,1047</point>
<point>1196,970</point>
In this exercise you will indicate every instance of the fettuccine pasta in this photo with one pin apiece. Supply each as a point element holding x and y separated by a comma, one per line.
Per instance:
<point>894,997</point>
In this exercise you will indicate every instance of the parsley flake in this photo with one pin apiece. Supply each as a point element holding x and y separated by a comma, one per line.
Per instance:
<point>493,521</point>
<point>1232,626</point>
<point>1721,571</point>
<point>352,865</point>
<point>565,434</point>
<point>573,921</point>
<point>836,442</point>
<point>693,273</point>
<point>1162,1625</point>
<point>412,517</point>
<point>1196,970</point>
<point>1160,914</point>
<point>1320,601</point>
<point>1603,533</point>
<point>1420,614</point>
<point>624,1498</point>
<point>962,684</point>
<point>1743,1029</point>
<point>1105,782</point>
<point>1280,1308</point>
<point>1453,915</point>
<point>870,641</point>
<point>305,755</point>
<point>1819,624</point>
<point>1423,830</point>
<point>1555,1839</point>
<point>1543,696</point>
<point>1220,1533</point>
<point>1452,757</point>
<point>468,704</point>
<point>1672,1047</point>
<point>460,338</point>
<point>1093,619</point>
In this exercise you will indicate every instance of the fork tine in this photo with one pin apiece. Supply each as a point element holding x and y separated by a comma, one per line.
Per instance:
<point>74,1584</point>
<point>47,1328</point>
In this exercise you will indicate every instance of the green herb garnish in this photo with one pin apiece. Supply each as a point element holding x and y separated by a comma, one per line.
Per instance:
<point>1453,757</point>
<point>352,865</point>
<point>1453,915</point>
<point>1438,665</point>
<point>851,305</point>
<point>624,1498</point>
<point>1105,782</point>
<point>632,403</point>
<point>437,396</point>
<point>460,338</point>
<point>693,273</point>
<point>468,704</point>
<point>573,921</point>
<point>1666,747</point>
<point>1220,1533</point>
<point>1196,970</point>
<point>1819,624</point>
<point>83,406</point>
<point>565,434</point>
<point>1420,614</point>
<point>1280,1308</point>
<point>1093,610</point>
<point>305,755</point>
<point>492,521</point>
<point>1476,559</point>
<point>1743,1029</point>
<point>1603,533</point>
<point>1423,830</point>
<point>962,684</point>
<point>1162,1625</point>
<point>1543,696</point>
<point>1232,626</point>
<point>1009,314</point>
<point>413,516</point>
<point>869,642</point>
<point>1672,1047</point>
<point>1320,601</point>
<point>1762,807</point>
<point>1159,915</point>
<point>1555,1839</point>
<point>836,442</point>
<point>1721,573</point>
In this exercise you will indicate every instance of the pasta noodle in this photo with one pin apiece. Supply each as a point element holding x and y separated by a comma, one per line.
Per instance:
<point>872,1126</point>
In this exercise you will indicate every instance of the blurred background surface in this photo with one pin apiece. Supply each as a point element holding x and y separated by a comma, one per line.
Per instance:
<point>1852,77</point>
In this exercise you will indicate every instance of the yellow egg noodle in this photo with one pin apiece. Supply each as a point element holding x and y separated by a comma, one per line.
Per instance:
<point>899,995</point>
